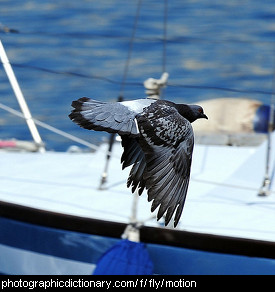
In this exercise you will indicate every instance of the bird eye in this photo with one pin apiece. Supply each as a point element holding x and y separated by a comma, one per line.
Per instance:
<point>200,110</point>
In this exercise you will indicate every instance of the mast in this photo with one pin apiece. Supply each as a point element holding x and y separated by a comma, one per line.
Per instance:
<point>20,98</point>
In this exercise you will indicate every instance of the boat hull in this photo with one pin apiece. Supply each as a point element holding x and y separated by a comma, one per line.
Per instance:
<point>34,241</point>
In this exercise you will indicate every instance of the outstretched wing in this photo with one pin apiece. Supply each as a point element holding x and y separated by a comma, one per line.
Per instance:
<point>112,117</point>
<point>167,141</point>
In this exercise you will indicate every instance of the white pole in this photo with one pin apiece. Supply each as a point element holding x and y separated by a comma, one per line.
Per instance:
<point>20,98</point>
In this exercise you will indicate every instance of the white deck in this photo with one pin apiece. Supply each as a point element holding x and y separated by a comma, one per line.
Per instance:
<point>222,197</point>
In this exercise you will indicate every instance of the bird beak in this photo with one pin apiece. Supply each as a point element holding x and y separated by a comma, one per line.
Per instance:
<point>203,116</point>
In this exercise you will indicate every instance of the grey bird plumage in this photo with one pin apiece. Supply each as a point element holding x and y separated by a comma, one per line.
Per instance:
<point>157,138</point>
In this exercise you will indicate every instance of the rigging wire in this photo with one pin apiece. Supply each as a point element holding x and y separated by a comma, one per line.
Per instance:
<point>116,82</point>
<point>48,127</point>
<point>173,39</point>
<point>164,46</point>
<point>120,98</point>
<point>164,52</point>
<point>130,49</point>
<point>267,181</point>
<point>54,129</point>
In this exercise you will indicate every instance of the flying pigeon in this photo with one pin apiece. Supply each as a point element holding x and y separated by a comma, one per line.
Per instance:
<point>158,141</point>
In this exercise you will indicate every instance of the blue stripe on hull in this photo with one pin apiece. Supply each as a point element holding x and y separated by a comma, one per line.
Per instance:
<point>80,248</point>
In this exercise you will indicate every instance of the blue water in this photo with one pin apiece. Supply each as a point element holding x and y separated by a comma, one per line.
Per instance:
<point>68,49</point>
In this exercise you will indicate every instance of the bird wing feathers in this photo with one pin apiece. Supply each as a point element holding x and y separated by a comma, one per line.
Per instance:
<point>101,116</point>
<point>133,154</point>
<point>166,139</point>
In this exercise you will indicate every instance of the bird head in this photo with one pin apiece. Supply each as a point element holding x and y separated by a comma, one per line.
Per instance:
<point>191,112</point>
<point>197,112</point>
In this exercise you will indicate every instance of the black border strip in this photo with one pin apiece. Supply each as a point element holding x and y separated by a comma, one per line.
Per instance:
<point>164,236</point>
